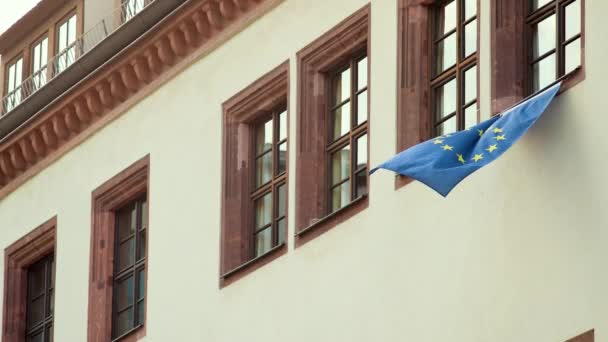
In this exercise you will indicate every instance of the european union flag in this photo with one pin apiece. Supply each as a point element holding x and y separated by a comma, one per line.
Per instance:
<point>442,162</point>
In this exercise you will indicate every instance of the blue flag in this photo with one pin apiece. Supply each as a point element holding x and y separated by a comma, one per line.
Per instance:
<point>442,162</point>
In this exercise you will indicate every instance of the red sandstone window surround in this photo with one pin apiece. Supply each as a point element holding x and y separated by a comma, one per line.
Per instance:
<point>255,174</point>
<point>118,256</point>
<point>29,286</point>
<point>333,120</point>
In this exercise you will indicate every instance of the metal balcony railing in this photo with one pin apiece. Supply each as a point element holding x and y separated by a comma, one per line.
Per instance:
<point>63,59</point>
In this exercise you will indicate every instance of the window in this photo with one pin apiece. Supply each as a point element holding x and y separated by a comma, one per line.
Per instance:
<point>333,116</point>
<point>269,193</point>
<point>535,42</point>
<point>555,35</point>
<point>117,288</point>
<point>29,281</point>
<point>454,82</point>
<point>129,267</point>
<point>347,146</point>
<point>255,173</point>
<point>130,8</point>
<point>66,44</point>
<point>40,283</point>
<point>39,60</point>
<point>13,83</point>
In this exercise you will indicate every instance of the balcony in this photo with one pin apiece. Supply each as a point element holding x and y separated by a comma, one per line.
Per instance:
<point>79,58</point>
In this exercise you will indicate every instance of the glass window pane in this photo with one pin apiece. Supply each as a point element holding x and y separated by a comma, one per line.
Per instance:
<point>36,278</point>
<point>362,152</point>
<point>361,183</point>
<point>63,37</point>
<point>573,19</point>
<point>341,120</point>
<point>446,19</point>
<point>573,55</point>
<point>281,230</point>
<point>49,334</point>
<point>543,38</point>
<point>264,137</point>
<point>141,290</point>
<point>126,254</point>
<point>470,85</point>
<point>340,196</point>
<point>470,116</point>
<point>340,165</point>
<point>283,126</point>
<point>11,77</point>
<point>36,58</point>
<point>36,337</point>
<point>141,312</point>
<point>536,4</point>
<point>470,38</point>
<point>51,303</point>
<point>263,211</point>
<point>19,72</point>
<point>144,214</point>
<point>341,87</point>
<point>447,127</point>
<point>445,54</point>
<point>141,253</point>
<point>362,74</point>
<point>282,165</point>
<point>72,30</point>
<point>445,99</point>
<point>282,200</point>
<point>263,241</point>
<point>263,169</point>
<point>44,56</point>
<point>124,322</point>
<point>35,311</point>
<point>470,9</point>
<point>124,292</point>
<point>126,222</point>
<point>362,108</point>
<point>543,73</point>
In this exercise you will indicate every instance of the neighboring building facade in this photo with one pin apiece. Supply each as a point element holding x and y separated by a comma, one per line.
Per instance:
<point>196,170</point>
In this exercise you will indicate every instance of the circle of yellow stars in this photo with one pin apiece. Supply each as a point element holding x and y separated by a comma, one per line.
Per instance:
<point>498,136</point>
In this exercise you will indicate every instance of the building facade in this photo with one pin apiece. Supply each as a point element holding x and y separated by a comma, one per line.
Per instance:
<point>196,170</point>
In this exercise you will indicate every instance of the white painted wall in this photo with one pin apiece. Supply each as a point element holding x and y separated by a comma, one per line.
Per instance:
<point>516,253</point>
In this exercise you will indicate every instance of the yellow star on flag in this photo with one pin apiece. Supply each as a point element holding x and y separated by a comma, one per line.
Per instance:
<point>492,148</point>
<point>500,137</point>
<point>460,158</point>
<point>497,130</point>
<point>477,157</point>
<point>447,147</point>
<point>437,141</point>
<point>480,131</point>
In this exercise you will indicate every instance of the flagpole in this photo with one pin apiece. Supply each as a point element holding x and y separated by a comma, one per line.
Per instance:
<point>541,90</point>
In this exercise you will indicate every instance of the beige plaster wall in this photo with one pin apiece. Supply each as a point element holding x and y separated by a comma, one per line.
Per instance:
<point>516,253</point>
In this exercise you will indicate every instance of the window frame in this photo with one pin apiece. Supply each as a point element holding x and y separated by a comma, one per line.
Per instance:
<point>65,20</point>
<point>133,270</point>
<point>49,286</point>
<point>354,133</point>
<point>532,17</point>
<point>18,257</point>
<point>241,115</point>
<point>277,180</point>
<point>315,62</point>
<point>44,67</point>
<point>510,49</point>
<point>457,71</point>
<point>18,87</point>
<point>127,186</point>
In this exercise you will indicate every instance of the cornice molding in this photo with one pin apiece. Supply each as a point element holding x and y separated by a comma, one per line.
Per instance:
<point>198,27</point>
